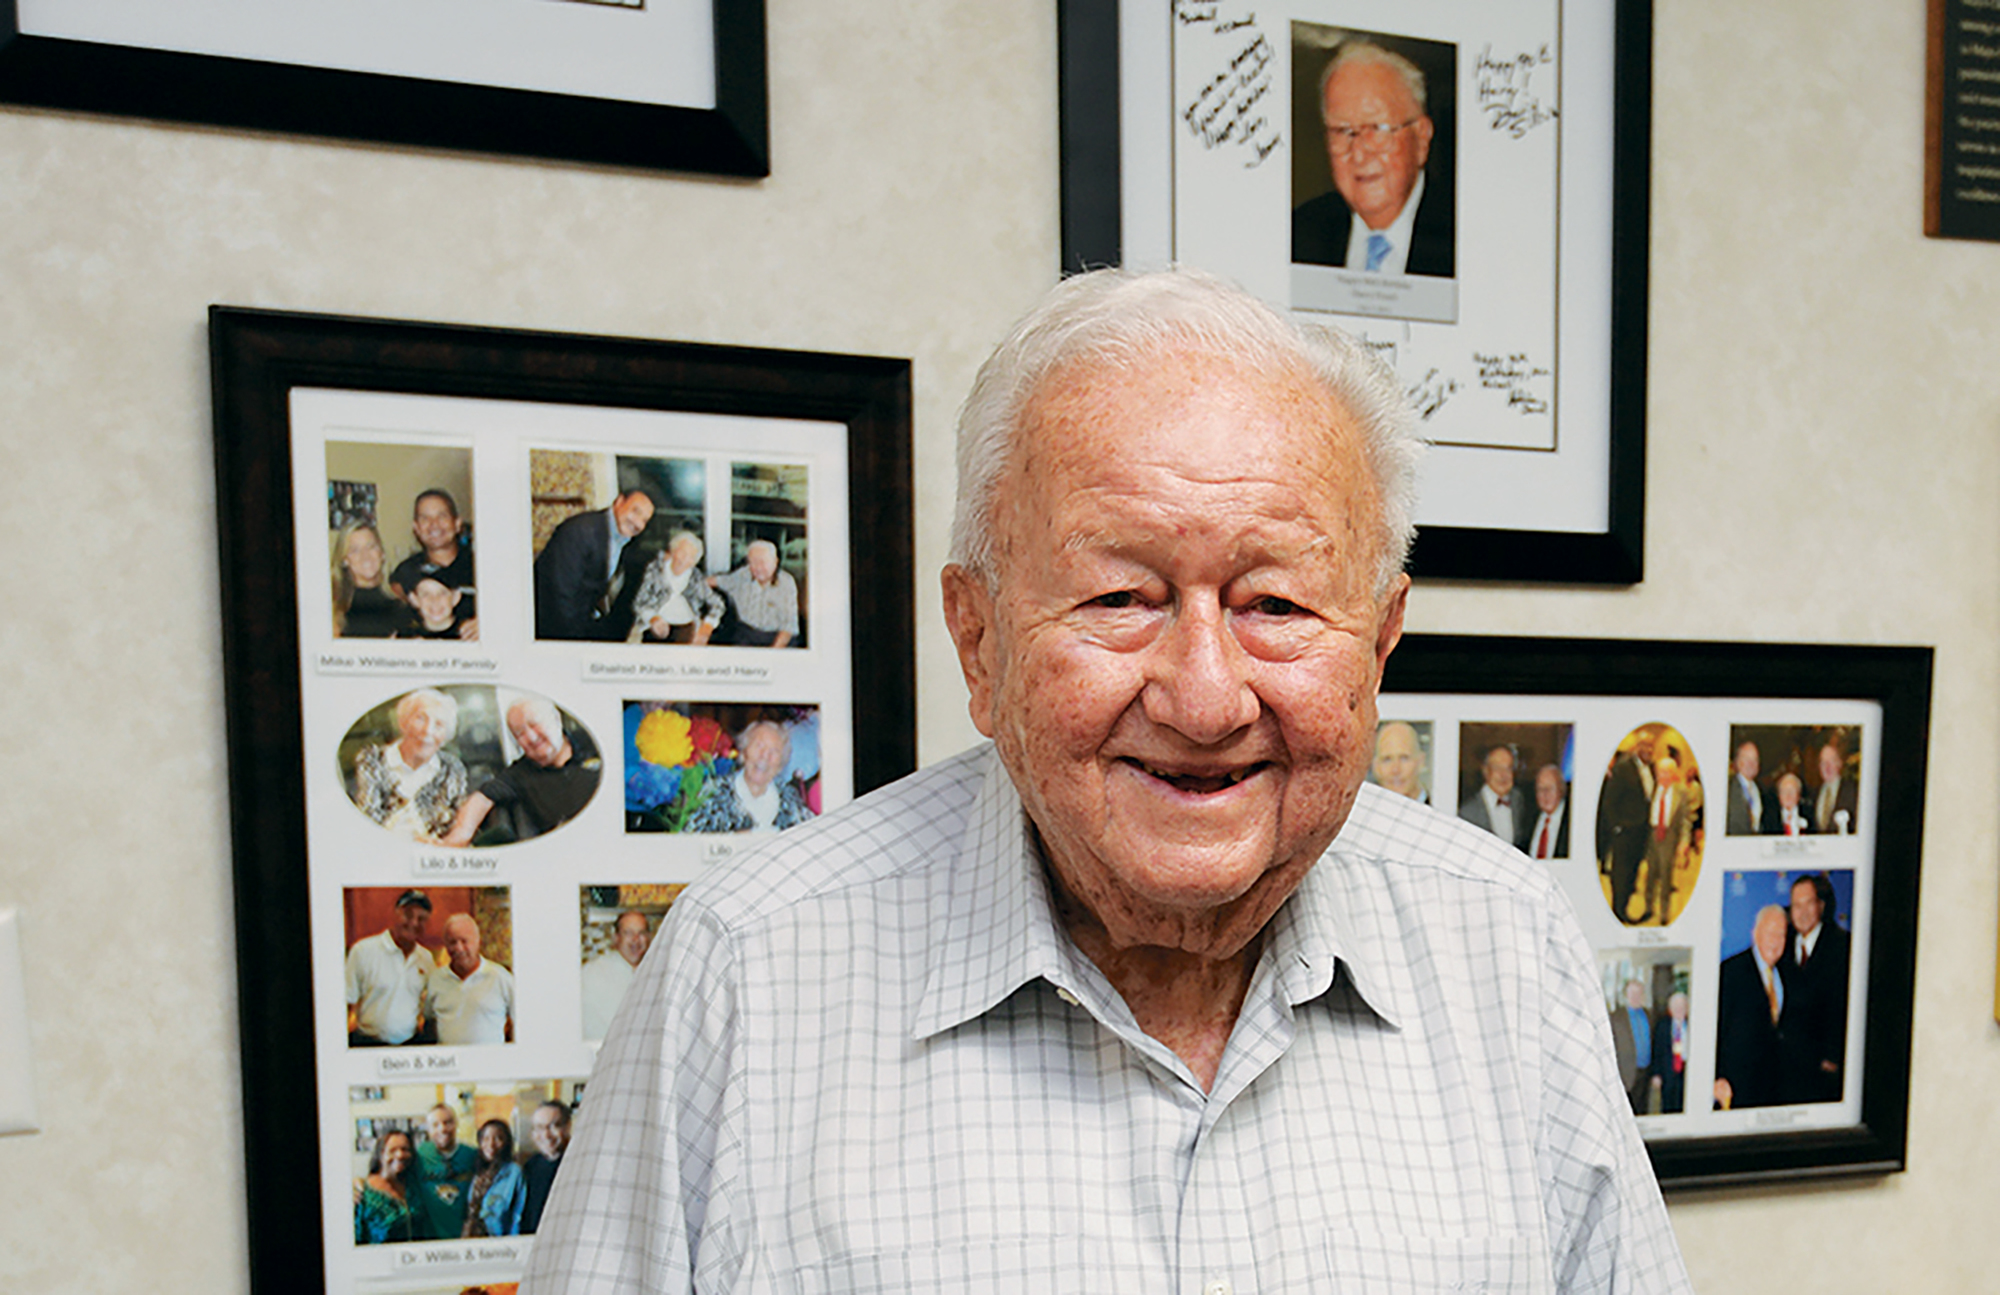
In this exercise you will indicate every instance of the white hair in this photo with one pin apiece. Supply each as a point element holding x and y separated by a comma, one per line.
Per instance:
<point>1361,51</point>
<point>765,545</point>
<point>1119,318</point>
<point>428,699</point>
<point>679,538</point>
<point>541,712</point>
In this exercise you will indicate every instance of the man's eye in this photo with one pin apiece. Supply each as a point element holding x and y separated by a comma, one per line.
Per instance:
<point>1115,601</point>
<point>1273,606</point>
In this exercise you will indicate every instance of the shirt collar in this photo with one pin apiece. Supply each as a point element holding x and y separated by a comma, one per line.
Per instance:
<point>999,930</point>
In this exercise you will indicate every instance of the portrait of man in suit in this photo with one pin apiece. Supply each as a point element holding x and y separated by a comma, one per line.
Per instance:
<point>1836,799</point>
<point>1548,836</point>
<point>1498,805</point>
<point>1672,1042</point>
<point>1632,1039</point>
<point>1400,762</point>
<point>1814,966</point>
<point>1390,211</point>
<point>1753,808</point>
<point>579,572</point>
<point>1750,1020</point>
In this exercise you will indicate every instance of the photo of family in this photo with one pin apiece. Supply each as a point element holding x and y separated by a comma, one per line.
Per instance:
<point>429,966</point>
<point>627,548</point>
<point>469,765</point>
<point>618,926</point>
<point>399,524</point>
<point>431,1162</point>
<point>720,766</point>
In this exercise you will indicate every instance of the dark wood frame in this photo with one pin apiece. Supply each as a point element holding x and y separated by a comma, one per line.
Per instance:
<point>257,358</point>
<point>733,138</point>
<point>1092,217</point>
<point>1899,679</point>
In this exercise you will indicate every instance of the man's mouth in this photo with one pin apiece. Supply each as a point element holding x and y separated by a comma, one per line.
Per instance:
<point>1200,784</point>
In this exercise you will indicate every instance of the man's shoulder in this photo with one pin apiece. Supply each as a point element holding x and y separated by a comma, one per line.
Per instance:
<point>909,826</point>
<point>1412,839</point>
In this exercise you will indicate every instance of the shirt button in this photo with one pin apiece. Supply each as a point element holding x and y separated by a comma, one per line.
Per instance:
<point>1073,1001</point>
<point>1218,1287</point>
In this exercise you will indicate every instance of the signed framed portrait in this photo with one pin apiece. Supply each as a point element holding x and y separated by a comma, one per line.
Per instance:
<point>640,83</point>
<point>523,632</point>
<point>1739,828</point>
<point>1461,183</point>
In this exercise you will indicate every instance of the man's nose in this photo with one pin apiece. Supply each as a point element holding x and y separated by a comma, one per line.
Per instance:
<point>1199,681</point>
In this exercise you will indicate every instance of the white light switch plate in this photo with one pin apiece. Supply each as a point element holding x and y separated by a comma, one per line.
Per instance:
<point>17,1072</point>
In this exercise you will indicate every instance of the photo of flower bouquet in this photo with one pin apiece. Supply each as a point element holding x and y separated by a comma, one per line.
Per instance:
<point>720,766</point>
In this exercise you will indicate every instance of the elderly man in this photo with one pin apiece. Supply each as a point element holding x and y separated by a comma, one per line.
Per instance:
<point>1498,806</point>
<point>580,571</point>
<point>1632,1040</point>
<point>675,604</point>
<point>1750,810</point>
<point>549,1130</point>
<point>607,976</point>
<point>1673,815</point>
<point>1384,214</point>
<point>1548,836</point>
<point>471,998</point>
<point>442,556</point>
<point>546,786</point>
<point>765,597</point>
<point>1791,818</point>
<point>1623,823</point>
<point>1080,1001</point>
<point>1834,804</point>
<point>385,977</point>
<point>1670,1055</point>
<point>1399,760</point>
<point>1750,1017</point>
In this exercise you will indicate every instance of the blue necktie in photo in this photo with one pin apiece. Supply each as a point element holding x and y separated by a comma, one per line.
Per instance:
<point>1378,250</point>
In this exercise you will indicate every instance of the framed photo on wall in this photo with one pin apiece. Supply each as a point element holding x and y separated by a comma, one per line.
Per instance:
<point>1461,183</point>
<point>1739,827</point>
<point>522,633</point>
<point>640,83</point>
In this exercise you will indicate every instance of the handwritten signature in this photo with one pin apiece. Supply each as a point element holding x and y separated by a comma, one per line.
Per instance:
<point>1507,90</point>
<point>1430,392</point>
<point>1512,373</point>
<point>1232,108</point>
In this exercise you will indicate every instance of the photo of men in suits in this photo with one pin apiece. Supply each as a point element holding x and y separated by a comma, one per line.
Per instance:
<point>1646,1001</point>
<point>1782,1001</point>
<point>1501,779</point>
<point>1381,109</point>
<point>1650,826</point>
<point>1810,782</point>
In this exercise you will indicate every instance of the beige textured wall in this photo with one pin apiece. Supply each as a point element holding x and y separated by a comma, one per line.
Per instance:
<point>1823,466</point>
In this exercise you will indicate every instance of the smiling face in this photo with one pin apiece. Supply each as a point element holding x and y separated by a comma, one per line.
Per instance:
<point>1180,657</point>
<point>436,526</point>
<point>434,602</point>
<point>363,557</point>
<point>765,751</point>
<point>1399,759</point>
<point>397,1155</point>
<point>443,1126</point>
<point>1830,763</point>
<point>1374,175</point>
<point>550,1129</point>
<point>540,742</point>
<point>1769,934</point>
<point>1548,789</point>
<point>633,935</point>
<point>1747,763</point>
<point>762,560</point>
<point>1806,906</point>
<point>493,1140</point>
<point>461,942</point>
<point>425,728</point>
<point>1788,791</point>
<point>407,928</point>
<point>1499,770</point>
<point>630,512</point>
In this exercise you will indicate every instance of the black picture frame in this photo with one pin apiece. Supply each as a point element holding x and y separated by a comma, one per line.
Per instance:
<point>1097,118</point>
<point>1898,680</point>
<point>259,359</point>
<point>731,139</point>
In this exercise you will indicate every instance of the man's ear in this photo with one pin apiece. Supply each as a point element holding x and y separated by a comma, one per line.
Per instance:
<point>1390,631</point>
<point>968,615</point>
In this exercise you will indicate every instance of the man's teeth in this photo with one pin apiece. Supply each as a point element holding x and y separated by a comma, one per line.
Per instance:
<point>1198,781</point>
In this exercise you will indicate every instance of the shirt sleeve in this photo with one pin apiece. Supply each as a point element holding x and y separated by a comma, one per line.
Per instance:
<point>1608,1228</point>
<point>644,1201</point>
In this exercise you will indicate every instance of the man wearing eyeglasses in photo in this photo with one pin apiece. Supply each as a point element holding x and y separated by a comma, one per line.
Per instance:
<point>1382,216</point>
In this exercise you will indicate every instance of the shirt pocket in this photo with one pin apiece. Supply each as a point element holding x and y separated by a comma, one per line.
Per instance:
<point>1009,1265</point>
<point>1411,1265</point>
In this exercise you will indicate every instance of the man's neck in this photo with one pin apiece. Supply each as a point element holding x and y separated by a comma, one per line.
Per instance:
<point>1186,1001</point>
<point>467,973</point>
<point>443,556</point>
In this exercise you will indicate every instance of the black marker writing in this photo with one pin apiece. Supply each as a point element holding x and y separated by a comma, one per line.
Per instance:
<point>1507,90</point>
